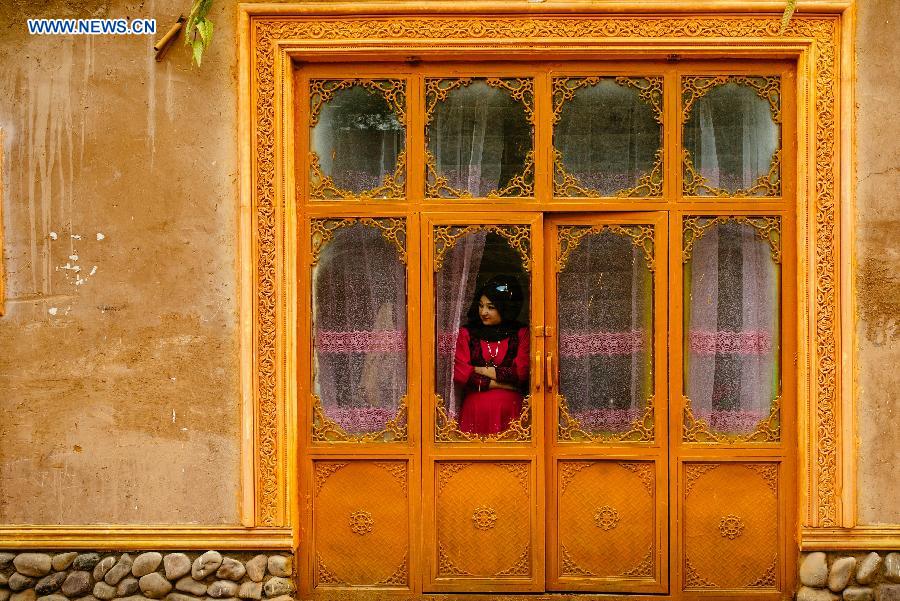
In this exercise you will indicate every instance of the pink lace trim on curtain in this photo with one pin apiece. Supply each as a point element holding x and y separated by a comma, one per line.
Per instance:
<point>446,343</point>
<point>749,342</point>
<point>358,341</point>
<point>601,343</point>
<point>731,421</point>
<point>605,420</point>
<point>356,420</point>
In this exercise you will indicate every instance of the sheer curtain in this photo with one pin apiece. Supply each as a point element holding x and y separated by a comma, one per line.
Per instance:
<point>605,332</point>
<point>732,330</point>
<point>454,289</point>
<point>359,329</point>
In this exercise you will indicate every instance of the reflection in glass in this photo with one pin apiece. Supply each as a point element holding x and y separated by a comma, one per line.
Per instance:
<point>479,139</point>
<point>359,329</point>
<point>731,330</point>
<point>605,300</point>
<point>357,139</point>
<point>482,358</point>
<point>607,138</point>
<point>732,138</point>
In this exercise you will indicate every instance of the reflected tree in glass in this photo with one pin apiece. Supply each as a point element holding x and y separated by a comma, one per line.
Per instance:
<point>357,139</point>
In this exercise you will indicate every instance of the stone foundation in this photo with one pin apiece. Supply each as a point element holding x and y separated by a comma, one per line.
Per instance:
<point>849,577</point>
<point>145,575</point>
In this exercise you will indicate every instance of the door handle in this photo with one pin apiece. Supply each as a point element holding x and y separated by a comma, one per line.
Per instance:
<point>536,369</point>
<point>549,371</point>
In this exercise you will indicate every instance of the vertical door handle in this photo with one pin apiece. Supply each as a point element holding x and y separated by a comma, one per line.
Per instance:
<point>549,371</point>
<point>536,369</point>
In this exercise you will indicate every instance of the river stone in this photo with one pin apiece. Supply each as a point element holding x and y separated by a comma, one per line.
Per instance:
<point>858,593</point>
<point>86,561</point>
<point>155,585</point>
<point>868,567</point>
<point>189,585</point>
<point>222,588</point>
<point>283,598</point>
<point>256,568</point>
<point>103,566</point>
<point>888,592</point>
<point>176,565</point>
<point>52,598</point>
<point>61,561</point>
<point>814,570</point>
<point>891,567</point>
<point>18,582</point>
<point>250,590</point>
<point>278,586</point>
<point>50,584</point>
<point>87,598</point>
<point>180,597</point>
<point>3,579</point>
<point>77,584</point>
<point>128,586</point>
<point>6,559</point>
<point>145,563</point>
<point>206,564</point>
<point>841,570</point>
<point>119,571</point>
<point>279,565</point>
<point>815,594</point>
<point>26,595</point>
<point>231,569</point>
<point>5,594</point>
<point>32,564</point>
<point>104,592</point>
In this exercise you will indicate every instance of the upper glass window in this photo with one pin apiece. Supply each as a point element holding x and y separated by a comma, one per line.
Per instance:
<point>479,135</point>
<point>732,135</point>
<point>357,139</point>
<point>607,136</point>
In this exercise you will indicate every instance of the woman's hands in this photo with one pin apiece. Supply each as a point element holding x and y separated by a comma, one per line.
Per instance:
<point>491,373</point>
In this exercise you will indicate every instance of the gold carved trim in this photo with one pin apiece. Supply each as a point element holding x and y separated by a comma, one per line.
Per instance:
<point>446,471</point>
<point>324,470</point>
<point>606,518</point>
<point>520,470</point>
<point>643,470</point>
<point>697,430</point>
<point>768,579</point>
<point>393,230</point>
<point>324,575</point>
<point>446,237</point>
<point>394,93</point>
<point>265,34</point>
<point>400,577</point>
<point>643,569</point>
<point>325,429</point>
<point>361,522</point>
<point>694,87</point>
<point>519,89</point>
<point>694,580</point>
<point>768,472</point>
<point>860,538</point>
<point>446,429</point>
<point>129,538</point>
<point>570,430</point>
<point>767,228</point>
<point>570,237</point>
<point>484,517</point>
<point>693,472</point>
<point>522,567</point>
<point>446,565</point>
<point>650,90</point>
<point>567,472</point>
<point>397,469</point>
<point>731,526</point>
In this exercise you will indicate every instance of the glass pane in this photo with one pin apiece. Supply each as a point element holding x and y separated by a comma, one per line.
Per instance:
<point>608,136</point>
<point>357,139</point>
<point>359,331</point>
<point>605,313</point>
<point>732,135</point>
<point>479,137</point>
<point>732,283</point>
<point>482,311</point>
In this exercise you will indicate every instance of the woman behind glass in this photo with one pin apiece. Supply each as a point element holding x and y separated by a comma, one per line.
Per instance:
<point>491,358</point>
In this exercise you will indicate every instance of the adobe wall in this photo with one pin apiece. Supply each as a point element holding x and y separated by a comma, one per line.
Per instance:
<point>119,361</point>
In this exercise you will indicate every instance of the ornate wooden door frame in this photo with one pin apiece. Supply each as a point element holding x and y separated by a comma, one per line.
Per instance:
<point>818,38</point>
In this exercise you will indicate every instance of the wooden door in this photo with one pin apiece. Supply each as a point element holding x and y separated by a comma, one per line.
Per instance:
<point>483,492</point>
<point>606,402</point>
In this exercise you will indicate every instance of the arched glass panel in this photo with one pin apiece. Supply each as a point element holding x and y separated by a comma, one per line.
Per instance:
<point>357,139</point>
<point>607,136</point>
<point>359,330</point>
<point>479,137</point>
<point>605,307</point>
<point>732,334</point>
<point>732,136</point>
<point>484,262</point>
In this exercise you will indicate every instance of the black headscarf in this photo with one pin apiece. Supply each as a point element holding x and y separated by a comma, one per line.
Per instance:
<point>506,294</point>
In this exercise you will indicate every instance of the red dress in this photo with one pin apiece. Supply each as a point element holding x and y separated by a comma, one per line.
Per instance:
<point>484,410</point>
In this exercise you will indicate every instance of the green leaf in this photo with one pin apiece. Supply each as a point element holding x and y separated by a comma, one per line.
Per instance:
<point>205,27</point>
<point>198,51</point>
